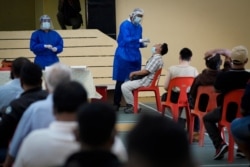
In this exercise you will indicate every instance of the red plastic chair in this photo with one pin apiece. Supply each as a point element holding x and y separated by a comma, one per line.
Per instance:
<point>5,68</point>
<point>152,87</point>
<point>231,97</point>
<point>183,83</point>
<point>212,104</point>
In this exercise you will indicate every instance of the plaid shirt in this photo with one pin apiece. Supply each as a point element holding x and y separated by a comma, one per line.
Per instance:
<point>154,63</point>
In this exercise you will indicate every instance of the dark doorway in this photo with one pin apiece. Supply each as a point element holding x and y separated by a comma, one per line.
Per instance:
<point>100,14</point>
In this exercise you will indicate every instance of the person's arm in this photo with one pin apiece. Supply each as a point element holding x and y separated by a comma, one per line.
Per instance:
<point>245,105</point>
<point>76,6</point>
<point>224,52</point>
<point>22,130</point>
<point>60,5</point>
<point>36,45</point>
<point>8,123</point>
<point>57,46</point>
<point>168,78</point>
<point>143,72</point>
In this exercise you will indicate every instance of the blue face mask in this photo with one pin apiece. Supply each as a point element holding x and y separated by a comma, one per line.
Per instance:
<point>137,20</point>
<point>45,26</point>
<point>153,50</point>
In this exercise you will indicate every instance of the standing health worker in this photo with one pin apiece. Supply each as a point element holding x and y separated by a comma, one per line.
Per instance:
<point>127,55</point>
<point>46,43</point>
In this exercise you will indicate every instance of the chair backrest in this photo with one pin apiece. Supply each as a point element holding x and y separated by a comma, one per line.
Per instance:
<point>156,78</point>
<point>183,83</point>
<point>230,112</point>
<point>212,95</point>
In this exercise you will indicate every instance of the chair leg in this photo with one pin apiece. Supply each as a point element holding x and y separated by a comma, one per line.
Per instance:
<point>135,93</point>
<point>202,133</point>
<point>158,100</point>
<point>191,128</point>
<point>230,148</point>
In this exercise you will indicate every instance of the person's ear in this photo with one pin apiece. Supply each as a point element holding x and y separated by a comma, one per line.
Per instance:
<point>246,61</point>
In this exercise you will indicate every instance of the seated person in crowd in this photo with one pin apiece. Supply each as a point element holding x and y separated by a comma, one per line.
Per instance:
<point>240,127</point>
<point>207,78</point>
<point>154,63</point>
<point>226,81</point>
<point>97,134</point>
<point>12,89</point>
<point>31,82</point>
<point>183,69</point>
<point>39,114</point>
<point>158,141</point>
<point>51,146</point>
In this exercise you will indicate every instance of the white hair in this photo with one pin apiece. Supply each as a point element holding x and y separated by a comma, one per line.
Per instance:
<point>56,74</point>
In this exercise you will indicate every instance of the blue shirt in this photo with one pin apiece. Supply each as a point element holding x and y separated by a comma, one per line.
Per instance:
<point>38,115</point>
<point>10,91</point>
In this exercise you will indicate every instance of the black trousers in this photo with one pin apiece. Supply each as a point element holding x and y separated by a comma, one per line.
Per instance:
<point>118,93</point>
<point>210,122</point>
<point>75,22</point>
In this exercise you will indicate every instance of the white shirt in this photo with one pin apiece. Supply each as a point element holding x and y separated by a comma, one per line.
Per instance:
<point>48,147</point>
<point>181,70</point>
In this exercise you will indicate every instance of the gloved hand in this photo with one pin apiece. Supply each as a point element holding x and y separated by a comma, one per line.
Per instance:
<point>54,49</point>
<point>48,46</point>
<point>145,45</point>
<point>144,40</point>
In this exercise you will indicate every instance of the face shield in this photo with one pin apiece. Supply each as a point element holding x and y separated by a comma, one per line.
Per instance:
<point>45,22</point>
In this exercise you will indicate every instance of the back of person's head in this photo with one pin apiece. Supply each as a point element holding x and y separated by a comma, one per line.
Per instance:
<point>56,74</point>
<point>239,55</point>
<point>213,61</point>
<point>164,49</point>
<point>17,65</point>
<point>97,124</point>
<point>31,74</point>
<point>68,96</point>
<point>158,141</point>
<point>186,54</point>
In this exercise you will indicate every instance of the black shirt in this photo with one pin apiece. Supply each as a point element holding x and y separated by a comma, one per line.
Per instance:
<point>14,111</point>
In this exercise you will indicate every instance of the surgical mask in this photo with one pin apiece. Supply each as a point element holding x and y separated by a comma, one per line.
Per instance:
<point>45,25</point>
<point>153,50</point>
<point>137,20</point>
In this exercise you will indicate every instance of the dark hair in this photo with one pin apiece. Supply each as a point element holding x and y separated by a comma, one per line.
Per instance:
<point>31,74</point>
<point>213,62</point>
<point>160,141</point>
<point>96,123</point>
<point>68,96</point>
<point>17,65</point>
<point>186,54</point>
<point>164,49</point>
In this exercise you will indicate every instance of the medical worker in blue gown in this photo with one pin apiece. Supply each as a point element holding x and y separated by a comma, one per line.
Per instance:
<point>46,43</point>
<point>127,55</point>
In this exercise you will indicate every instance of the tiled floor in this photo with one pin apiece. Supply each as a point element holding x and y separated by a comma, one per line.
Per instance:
<point>203,155</point>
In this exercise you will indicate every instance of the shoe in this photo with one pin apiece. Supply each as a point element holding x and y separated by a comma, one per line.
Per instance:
<point>130,109</point>
<point>240,154</point>
<point>221,151</point>
<point>196,137</point>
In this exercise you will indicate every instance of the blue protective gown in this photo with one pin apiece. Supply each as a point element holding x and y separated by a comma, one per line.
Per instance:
<point>45,57</point>
<point>127,55</point>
